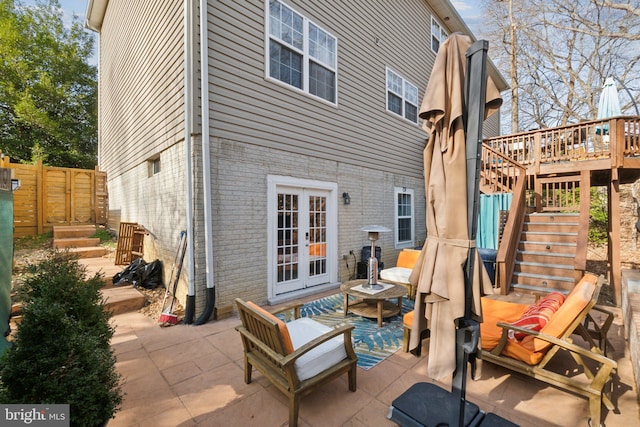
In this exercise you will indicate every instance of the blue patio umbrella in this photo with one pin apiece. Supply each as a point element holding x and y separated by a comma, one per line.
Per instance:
<point>608,104</point>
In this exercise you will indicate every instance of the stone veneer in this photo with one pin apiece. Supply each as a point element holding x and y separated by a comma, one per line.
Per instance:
<point>631,315</point>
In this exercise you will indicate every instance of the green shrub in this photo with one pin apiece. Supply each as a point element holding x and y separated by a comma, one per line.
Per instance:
<point>598,217</point>
<point>61,352</point>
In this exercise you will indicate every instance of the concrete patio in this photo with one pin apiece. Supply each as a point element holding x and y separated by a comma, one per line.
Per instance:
<point>193,376</point>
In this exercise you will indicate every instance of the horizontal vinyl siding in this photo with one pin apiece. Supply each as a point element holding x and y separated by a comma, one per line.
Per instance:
<point>141,90</point>
<point>248,108</point>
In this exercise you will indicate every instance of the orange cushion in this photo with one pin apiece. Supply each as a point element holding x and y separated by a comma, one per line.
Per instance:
<point>575,302</point>
<point>538,314</point>
<point>407,319</point>
<point>531,350</point>
<point>494,311</point>
<point>407,258</point>
<point>284,332</point>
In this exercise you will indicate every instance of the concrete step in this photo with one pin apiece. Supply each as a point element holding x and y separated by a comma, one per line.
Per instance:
<point>104,266</point>
<point>89,252</point>
<point>65,231</point>
<point>76,242</point>
<point>119,299</point>
<point>122,299</point>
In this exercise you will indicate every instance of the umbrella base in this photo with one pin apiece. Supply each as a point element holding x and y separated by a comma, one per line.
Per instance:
<point>427,405</point>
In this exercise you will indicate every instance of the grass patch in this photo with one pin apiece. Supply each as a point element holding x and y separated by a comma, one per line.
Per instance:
<point>39,241</point>
<point>103,235</point>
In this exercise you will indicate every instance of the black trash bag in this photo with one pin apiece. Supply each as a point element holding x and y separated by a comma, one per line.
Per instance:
<point>130,275</point>
<point>151,275</point>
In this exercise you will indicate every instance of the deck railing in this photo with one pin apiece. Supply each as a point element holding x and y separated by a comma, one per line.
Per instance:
<point>612,138</point>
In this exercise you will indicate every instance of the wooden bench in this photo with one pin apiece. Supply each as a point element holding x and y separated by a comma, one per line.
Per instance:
<point>531,354</point>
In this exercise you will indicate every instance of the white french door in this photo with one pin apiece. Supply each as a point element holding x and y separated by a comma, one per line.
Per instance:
<point>302,237</point>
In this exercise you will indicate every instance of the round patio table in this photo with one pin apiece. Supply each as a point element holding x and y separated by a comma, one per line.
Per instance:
<point>369,304</point>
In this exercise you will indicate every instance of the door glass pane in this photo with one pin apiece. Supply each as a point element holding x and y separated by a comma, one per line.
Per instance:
<point>287,247</point>
<point>317,235</point>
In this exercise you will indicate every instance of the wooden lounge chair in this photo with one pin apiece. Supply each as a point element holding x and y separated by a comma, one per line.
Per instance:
<point>296,356</point>
<point>531,354</point>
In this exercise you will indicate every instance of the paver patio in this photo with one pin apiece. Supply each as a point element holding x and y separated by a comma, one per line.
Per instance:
<point>193,376</point>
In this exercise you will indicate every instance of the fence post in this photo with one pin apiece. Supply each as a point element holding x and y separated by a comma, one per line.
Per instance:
<point>40,198</point>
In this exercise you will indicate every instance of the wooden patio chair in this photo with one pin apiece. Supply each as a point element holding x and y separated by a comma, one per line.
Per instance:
<point>296,356</point>
<point>531,354</point>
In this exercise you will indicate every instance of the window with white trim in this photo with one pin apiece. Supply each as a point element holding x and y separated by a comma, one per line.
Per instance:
<point>438,35</point>
<point>404,217</point>
<point>299,53</point>
<point>402,97</point>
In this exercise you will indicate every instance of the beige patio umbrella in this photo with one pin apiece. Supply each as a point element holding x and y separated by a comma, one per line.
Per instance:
<point>439,273</point>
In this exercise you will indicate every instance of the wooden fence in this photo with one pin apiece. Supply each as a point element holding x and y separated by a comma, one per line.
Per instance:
<point>51,196</point>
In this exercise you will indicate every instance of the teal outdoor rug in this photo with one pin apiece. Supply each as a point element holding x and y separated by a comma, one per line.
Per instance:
<point>371,344</point>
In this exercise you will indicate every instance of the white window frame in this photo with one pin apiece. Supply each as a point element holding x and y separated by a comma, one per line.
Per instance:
<point>441,37</point>
<point>405,243</point>
<point>307,58</point>
<point>404,95</point>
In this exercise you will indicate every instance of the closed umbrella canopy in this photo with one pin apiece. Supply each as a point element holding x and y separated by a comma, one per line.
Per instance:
<point>609,102</point>
<point>439,271</point>
<point>608,106</point>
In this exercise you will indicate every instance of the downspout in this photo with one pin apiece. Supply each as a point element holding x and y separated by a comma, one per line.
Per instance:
<point>206,163</point>
<point>188,114</point>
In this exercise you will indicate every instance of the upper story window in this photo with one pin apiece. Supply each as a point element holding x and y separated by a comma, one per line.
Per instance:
<point>404,230</point>
<point>402,97</point>
<point>300,53</point>
<point>438,35</point>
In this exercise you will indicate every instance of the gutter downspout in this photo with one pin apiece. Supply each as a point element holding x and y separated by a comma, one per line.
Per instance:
<point>188,114</point>
<point>206,163</point>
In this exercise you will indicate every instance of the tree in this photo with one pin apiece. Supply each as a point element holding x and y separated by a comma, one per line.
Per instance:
<point>564,52</point>
<point>48,90</point>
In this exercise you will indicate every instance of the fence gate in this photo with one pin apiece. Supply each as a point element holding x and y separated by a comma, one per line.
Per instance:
<point>51,196</point>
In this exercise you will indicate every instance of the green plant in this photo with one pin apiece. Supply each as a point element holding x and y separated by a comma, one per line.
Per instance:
<point>104,235</point>
<point>61,352</point>
<point>598,217</point>
<point>33,242</point>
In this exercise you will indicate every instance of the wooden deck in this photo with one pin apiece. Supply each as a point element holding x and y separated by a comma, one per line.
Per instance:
<point>550,170</point>
<point>601,146</point>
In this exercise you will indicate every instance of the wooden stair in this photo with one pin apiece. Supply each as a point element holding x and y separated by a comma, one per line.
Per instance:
<point>546,253</point>
<point>77,239</point>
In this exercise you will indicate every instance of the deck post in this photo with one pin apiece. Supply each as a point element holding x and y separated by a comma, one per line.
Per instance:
<point>615,270</point>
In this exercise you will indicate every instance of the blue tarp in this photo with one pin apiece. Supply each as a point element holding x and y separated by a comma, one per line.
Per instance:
<point>488,220</point>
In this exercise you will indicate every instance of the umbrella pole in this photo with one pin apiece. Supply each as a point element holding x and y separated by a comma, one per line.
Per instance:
<point>468,330</point>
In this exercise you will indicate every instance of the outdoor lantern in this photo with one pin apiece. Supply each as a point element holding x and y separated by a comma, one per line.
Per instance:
<point>346,198</point>
<point>372,270</point>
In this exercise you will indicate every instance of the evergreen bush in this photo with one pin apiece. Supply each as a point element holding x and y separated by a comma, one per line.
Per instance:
<point>61,351</point>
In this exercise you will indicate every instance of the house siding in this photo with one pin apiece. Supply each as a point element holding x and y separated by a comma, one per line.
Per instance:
<point>247,107</point>
<point>141,74</point>
<point>141,116</point>
<point>258,127</point>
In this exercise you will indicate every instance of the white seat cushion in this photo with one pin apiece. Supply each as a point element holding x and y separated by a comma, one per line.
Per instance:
<point>320,358</point>
<point>396,274</point>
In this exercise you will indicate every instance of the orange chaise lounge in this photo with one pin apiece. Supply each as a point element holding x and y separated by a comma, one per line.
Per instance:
<point>549,324</point>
